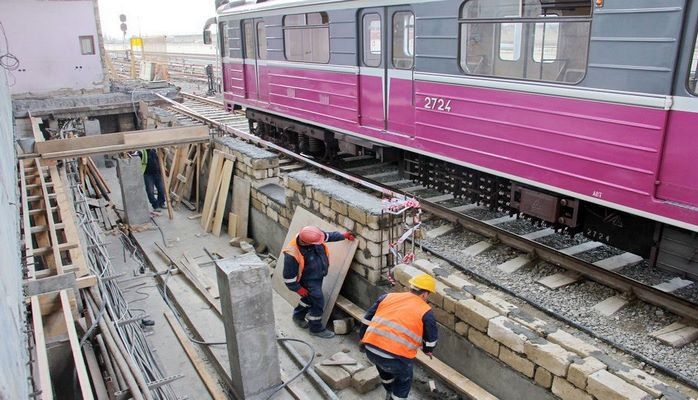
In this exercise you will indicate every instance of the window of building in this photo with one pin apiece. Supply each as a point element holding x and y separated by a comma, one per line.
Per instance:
<point>541,40</point>
<point>261,40</point>
<point>248,37</point>
<point>87,45</point>
<point>307,37</point>
<point>403,40</point>
<point>372,40</point>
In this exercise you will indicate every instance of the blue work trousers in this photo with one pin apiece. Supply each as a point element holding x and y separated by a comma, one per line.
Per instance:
<point>153,183</point>
<point>311,305</point>
<point>395,374</point>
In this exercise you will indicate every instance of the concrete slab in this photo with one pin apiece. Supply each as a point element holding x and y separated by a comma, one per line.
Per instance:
<point>501,220</point>
<point>341,254</point>
<point>610,306</point>
<point>619,261</point>
<point>673,285</point>
<point>477,248</point>
<point>539,234</point>
<point>515,264</point>
<point>581,248</point>
<point>559,280</point>
<point>466,207</point>
<point>676,334</point>
<point>440,231</point>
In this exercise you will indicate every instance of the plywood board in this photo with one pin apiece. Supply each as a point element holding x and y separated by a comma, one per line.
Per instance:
<point>341,254</point>
<point>241,204</point>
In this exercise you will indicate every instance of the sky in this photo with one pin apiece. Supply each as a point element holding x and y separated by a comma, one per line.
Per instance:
<point>154,17</point>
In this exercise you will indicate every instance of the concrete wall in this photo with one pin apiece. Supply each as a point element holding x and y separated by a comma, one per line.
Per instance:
<point>13,349</point>
<point>44,36</point>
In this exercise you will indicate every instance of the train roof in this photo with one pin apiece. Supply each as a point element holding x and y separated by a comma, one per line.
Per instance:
<point>242,7</point>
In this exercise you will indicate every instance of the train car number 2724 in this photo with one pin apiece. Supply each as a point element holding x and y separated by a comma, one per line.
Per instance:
<point>437,103</point>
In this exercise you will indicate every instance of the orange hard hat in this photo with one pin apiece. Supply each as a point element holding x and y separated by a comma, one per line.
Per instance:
<point>311,235</point>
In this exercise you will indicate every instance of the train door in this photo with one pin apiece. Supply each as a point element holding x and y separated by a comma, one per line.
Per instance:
<point>255,55</point>
<point>400,71</point>
<point>372,69</point>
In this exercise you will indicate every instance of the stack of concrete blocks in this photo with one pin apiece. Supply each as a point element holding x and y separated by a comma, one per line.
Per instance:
<point>554,359</point>
<point>251,162</point>
<point>360,377</point>
<point>350,209</point>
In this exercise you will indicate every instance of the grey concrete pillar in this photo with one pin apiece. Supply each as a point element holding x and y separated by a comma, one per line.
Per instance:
<point>248,316</point>
<point>136,205</point>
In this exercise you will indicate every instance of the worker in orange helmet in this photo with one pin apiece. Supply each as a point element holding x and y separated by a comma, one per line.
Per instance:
<point>306,262</point>
<point>399,324</point>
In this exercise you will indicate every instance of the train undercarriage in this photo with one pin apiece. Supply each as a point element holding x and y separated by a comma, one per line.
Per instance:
<point>662,245</point>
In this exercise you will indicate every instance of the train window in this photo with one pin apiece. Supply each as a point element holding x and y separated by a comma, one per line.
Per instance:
<point>307,37</point>
<point>261,40</point>
<point>248,37</point>
<point>403,40</point>
<point>540,40</point>
<point>87,45</point>
<point>373,37</point>
<point>225,39</point>
<point>694,66</point>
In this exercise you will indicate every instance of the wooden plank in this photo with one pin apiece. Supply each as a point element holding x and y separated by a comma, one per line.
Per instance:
<point>80,367</point>
<point>56,255</point>
<point>232,224</point>
<point>44,373</point>
<point>214,389</point>
<point>70,228</point>
<point>211,184</point>
<point>26,223</point>
<point>35,287</point>
<point>241,204</point>
<point>167,192</point>
<point>341,254</point>
<point>222,197</point>
<point>121,142</point>
<point>453,378</point>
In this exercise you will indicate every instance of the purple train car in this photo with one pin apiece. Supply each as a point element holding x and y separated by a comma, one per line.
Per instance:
<point>582,112</point>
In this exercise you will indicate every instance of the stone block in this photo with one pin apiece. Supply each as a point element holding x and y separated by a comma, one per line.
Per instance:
<point>365,380</point>
<point>604,385</point>
<point>537,325</point>
<point>451,297</point>
<point>445,318</point>
<point>495,302</point>
<point>549,355</point>
<point>484,342</point>
<point>508,333</point>
<point>543,377</point>
<point>358,215</point>
<point>334,376</point>
<point>425,265</point>
<point>322,198</point>
<point>642,379</point>
<point>339,206</point>
<point>454,281</point>
<point>580,370</point>
<point>567,391</point>
<point>294,184</point>
<point>327,212</point>
<point>437,297</point>
<point>572,343</point>
<point>461,328</point>
<point>475,313</point>
<point>404,272</point>
<point>517,362</point>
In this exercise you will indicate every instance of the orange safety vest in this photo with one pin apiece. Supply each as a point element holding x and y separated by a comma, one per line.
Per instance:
<point>292,250</point>
<point>397,325</point>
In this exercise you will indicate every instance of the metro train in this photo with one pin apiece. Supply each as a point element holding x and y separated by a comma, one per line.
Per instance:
<point>582,114</point>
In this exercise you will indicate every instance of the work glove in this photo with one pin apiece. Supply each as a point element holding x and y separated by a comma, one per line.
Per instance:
<point>348,235</point>
<point>303,292</point>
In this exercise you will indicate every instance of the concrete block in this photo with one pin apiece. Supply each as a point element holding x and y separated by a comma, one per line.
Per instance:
<point>610,306</point>
<point>454,281</point>
<point>604,385</point>
<point>543,377</point>
<point>643,380</point>
<point>403,273</point>
<point>245,291</point>
<point>135,200</point>
<point>484,342</point>
<point>365,380</point>
<point>334,376</point>
<point>509,333</point>
<point>515,264</point>
<point>567,391</point>
<point>452,296</point>
<point>475,313</point>
<point>339,207</point>
<point>572,343</point>
<point>445,318</point>
<point>496,303</point>
<point>549,355</point>
<point>437,297</point>
<point>537,325</point>
<point>477,248</point>
<point>517,362</point>
<point>461,328</point>
<point>580,370</point>
<point>357,215</point>
<point>426,266</point>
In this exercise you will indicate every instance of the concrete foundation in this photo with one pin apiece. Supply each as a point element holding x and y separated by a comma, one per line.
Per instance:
<point>135,200</point>
<point>248,317</point>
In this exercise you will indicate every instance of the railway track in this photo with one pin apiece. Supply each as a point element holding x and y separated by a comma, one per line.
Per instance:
<point>494,246</point>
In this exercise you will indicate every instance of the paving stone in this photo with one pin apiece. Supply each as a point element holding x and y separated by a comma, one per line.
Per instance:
<point>365,380</point>
<point>580,370</point>
<point>604,385</point>
<point>549,355</point>
<point>475,313</point>
<point>567,391</point>
<point>336,377</point>
<point>509,333</point>
<point>517,362</point>
<point>572,343</point>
